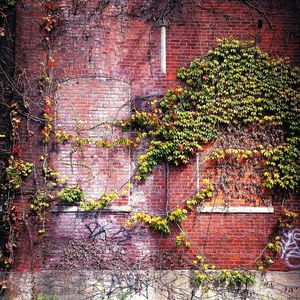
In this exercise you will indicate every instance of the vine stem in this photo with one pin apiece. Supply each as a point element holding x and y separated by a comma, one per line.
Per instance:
<point>167,187</point>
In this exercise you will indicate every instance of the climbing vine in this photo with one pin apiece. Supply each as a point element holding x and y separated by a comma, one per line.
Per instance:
<point>17,169</point>
<point>236,84</point>
<point>177,214</point>
<point>42,198</point>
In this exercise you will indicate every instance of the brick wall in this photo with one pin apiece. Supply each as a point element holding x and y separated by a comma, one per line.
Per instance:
<point>104,62</point>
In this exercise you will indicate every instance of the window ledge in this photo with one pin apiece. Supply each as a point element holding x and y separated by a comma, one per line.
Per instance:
<point>77,209</point>
<point>236,209</point>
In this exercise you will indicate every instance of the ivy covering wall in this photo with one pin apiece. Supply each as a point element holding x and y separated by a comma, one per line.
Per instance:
<point>236,84</point>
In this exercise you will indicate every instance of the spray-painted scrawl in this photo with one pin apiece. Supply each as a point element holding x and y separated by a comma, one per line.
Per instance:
<point>290,242</point>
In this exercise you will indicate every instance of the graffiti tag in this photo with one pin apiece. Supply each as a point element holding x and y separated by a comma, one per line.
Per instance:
<point>97,230</point>
<point>290,242</point>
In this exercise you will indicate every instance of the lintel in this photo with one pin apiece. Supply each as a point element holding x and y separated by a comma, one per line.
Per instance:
<point>236,209</point>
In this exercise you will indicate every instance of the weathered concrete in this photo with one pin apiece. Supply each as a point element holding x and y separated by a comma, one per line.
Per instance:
<point>144,284</point>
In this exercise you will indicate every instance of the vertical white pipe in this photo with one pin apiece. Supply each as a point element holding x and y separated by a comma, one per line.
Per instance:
<point>163,49</point>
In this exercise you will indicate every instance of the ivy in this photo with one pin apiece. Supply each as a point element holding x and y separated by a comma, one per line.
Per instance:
<point>205,276</point>
<point>236,278</point>
<point>105,199</point>
<point>177,215</point>
<point>235,84</point>
<point>16,171</point>
<point>156,222</point>
<point>71,195</point>
<point>101,203</point>
<point>282,168</point>
<point>205,193</point>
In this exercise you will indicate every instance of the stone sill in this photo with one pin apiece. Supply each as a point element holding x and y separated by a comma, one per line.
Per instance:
<point>77,209</point>
<point>236,209</point>
<point>200,209</point>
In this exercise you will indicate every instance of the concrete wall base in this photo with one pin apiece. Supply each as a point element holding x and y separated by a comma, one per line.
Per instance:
<point>143,284</point>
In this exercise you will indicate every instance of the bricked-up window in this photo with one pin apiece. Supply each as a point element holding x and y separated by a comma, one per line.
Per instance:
<point>237,182</point>
<point>84,107</point>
